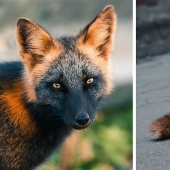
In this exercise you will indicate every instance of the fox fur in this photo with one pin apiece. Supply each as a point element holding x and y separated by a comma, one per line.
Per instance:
<point>54,89</point>
<point>160,128</point>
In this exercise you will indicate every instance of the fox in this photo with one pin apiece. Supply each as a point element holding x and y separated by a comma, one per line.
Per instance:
<point>160,128</point>
<point>54,89</point>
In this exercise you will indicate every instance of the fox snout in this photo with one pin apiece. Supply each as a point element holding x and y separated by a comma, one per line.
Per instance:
<point>78,121</point>
<point>82,120</point>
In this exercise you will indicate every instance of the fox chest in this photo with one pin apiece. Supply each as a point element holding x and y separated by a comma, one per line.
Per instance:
<point>20,152</point>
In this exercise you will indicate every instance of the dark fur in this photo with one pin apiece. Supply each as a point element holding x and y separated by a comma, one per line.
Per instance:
<point>35,117</point>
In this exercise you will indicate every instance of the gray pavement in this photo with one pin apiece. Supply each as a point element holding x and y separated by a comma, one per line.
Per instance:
<point>153,101</point>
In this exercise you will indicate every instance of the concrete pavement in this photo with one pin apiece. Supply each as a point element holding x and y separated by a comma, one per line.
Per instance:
<point>153,101</point>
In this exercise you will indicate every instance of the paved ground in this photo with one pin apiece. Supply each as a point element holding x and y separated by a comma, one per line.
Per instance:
<point>153,101</point>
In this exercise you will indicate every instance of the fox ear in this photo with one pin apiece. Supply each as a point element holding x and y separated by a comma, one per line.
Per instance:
<point>34,42</point>
<point>97,37</point>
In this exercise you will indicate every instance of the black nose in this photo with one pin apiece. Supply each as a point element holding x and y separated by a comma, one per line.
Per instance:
<point>82,119</point>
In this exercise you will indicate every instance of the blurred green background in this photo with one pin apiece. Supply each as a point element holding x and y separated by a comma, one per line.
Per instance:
<point>107,144</point>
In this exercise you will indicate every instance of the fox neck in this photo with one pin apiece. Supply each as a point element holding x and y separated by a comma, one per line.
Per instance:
<point>21,118</point>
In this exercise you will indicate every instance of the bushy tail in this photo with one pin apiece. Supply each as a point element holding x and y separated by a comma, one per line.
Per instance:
<point>160,128</point>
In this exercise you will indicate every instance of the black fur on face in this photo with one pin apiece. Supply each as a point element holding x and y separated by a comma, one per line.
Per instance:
<point>71,70</point>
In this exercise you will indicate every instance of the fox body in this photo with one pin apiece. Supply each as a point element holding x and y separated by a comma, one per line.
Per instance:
<point>54,89</point>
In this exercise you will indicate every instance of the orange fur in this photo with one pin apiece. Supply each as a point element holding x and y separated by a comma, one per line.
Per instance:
<point>16,111</point>
<point>98,40</point>
<point>40,44</point>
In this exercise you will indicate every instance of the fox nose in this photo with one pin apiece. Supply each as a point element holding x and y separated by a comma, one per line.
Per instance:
<point>82,119</point>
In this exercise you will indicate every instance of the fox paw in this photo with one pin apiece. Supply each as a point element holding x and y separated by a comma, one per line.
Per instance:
<point>160,128</point>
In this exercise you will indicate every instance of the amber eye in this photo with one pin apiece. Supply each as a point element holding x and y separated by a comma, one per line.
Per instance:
<point>56,85</point>
<point>89,81</point>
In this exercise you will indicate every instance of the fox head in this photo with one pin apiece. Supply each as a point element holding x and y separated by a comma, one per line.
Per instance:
<point>71,74</point>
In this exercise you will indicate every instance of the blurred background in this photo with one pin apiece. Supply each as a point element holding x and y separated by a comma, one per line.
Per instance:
<point>107,144</point>
<point>152,33</point>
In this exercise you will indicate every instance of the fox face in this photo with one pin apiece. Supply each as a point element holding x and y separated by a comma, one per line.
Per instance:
<point>73,85</point>
<point>69,74</point>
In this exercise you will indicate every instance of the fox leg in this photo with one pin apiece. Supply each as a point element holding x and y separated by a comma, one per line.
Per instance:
<point>160,128</point>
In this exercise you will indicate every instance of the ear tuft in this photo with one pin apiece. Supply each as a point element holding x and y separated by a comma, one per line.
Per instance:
<point>23,21</point>
<point>97,37</point>
<point>108,8</point>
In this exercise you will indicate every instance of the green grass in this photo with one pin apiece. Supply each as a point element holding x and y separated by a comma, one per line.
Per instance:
<point>104,145</point>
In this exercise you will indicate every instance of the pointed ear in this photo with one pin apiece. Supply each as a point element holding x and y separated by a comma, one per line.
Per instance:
<point>34,42</point>
<point>97,37</point>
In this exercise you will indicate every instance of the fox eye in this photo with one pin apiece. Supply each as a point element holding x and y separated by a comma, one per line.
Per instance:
<point>56,85</point>
<point>89,81</point>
